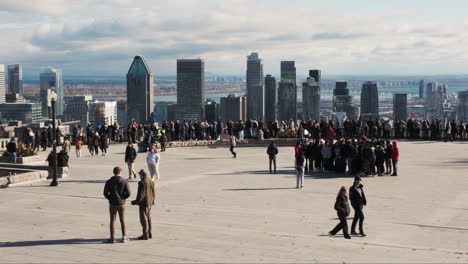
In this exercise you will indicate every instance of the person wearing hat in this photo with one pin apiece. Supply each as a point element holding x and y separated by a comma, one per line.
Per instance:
<point>145,200</point>
<point>116,192</point>
<point>358,201</point>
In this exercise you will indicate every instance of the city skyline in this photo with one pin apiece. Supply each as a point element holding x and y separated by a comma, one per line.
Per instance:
<point>368,37</point>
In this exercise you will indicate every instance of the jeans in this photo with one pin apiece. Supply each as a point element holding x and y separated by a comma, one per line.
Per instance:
<point>241,134</point>
<point>300,177</point>
<point>113,210</point>
<point>154,170</point>
<point>358,216</point>
<point>12,156</point>
<point>273,162</point>
<point>395,167</point>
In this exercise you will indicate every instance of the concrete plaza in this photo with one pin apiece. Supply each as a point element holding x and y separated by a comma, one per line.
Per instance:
<point>213,208</point>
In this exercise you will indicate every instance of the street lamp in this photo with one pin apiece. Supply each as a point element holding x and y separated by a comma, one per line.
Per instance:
<point>53,100</point>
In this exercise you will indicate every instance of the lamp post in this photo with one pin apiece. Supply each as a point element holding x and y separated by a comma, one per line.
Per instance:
<point>53,100</point>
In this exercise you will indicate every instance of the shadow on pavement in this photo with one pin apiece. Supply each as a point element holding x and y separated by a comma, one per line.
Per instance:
<point>77,241</point>
<point>259,189</point>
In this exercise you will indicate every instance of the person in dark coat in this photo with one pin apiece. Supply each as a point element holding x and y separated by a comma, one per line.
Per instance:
<point>343,211</point>
<point>103,144</point>
<point>130,156</point>
<point>116,192</point>
<point>358,201</point>
<point>12,147</point>
<point>145,200</point>
<point>272,151</point>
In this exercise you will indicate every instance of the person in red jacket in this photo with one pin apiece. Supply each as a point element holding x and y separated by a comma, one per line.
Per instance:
<point>395,157</point>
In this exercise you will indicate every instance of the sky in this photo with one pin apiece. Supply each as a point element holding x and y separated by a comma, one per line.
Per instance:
<point>340,37</point>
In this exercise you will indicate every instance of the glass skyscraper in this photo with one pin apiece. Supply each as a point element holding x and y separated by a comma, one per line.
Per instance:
<point>51,80</point>
<point>270,98</point>
<point>255,88</point>
<point>2,83</point>
<point>140,91</point>
<point>190,90</point>
<point>15,79</point>
<point>369,101</point>
<point>311,96</point>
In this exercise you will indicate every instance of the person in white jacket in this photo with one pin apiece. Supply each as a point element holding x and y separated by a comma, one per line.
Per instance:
<point>153,160</point>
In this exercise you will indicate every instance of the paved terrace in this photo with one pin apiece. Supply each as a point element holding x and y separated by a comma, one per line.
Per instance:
<point>212,208</point>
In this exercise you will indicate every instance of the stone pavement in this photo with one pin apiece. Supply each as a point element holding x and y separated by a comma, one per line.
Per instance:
<point>212,208</point>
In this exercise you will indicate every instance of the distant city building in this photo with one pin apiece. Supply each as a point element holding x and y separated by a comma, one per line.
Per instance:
<point>287,100</point>
<point>161,111</point>
<point>25,112</point>
<point>462,108</point>
<point>342,101</point>
<point>171,112</point>
<point>255,88</point>
<point>190,89</point>
<point>140,91</point>
<point>122,112</point>
<point>400,107</point>
<point>233,108</point>
<point>51,80</point>
<point>14,98</point>
<point>422,88</point>
<point>15,79</point>
<point>288,71</point>
<point>211,112</point>
<point>77,108</point>
<point>311,96</point>
<point>102,113</point>
<point>2,84</point>
<point>369,101</point>
<point>434,104</point>
<point>270,98</point>
<point>431,87</point>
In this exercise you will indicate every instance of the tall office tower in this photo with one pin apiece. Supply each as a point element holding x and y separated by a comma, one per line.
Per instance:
<point>422,89</point>
<point>2,84</point>
<point>190,90</point>
<point>369,101</point>
<point>311,96</point>
<point>462,107</point>
<point>211,111</point>
<point>255,87</point>
<point>400,107</point>
<point>51,80</point>
<point>342,101</point>
<point>287,102</point>
<point>434,104</point>
<point>77,109</point>
<point>15,79</point>
<point>270,98</point>
<point>288,71</point>
<point>140,91</point>
<point>233,108</point>
<point>431,87</point>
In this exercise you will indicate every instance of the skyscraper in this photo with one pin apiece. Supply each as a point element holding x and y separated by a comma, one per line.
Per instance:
<point>400,107</point>
<point>190,89</point>
<point>369,101</point>
<point>51,80</point>
<point>2,84</point>
<point>342,101</point>
<point>288,71</point>
<point>15,79</point>
<point>233,108</point>
<point>311,96</point>
<point>422,88</point>
<point>287,100</point>
<point>270,98</point>
<point>140,91</point>
<point>434,104</point>
<point>255,87</point>
<point>462,108</point>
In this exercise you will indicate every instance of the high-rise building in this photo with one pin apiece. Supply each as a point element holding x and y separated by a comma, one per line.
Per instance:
<point>25,112</point>
<point>369,101</point>
<point>77,108</point>
<point>122,112</point>
<point>270,98</point>
<point>400,107</point>
<point>342,101</point>
<point>462,108</point>
<point>190,89</point>
<point>171,112</point>
<point>255,87</point>
<point>211,111</point>
<point>2,84</point>
<point>103,113</point>
<point>434,104</point>
<point>311,96</point>
<point>233,108</point>
<point>287,100</point>
<point>422,88</point>
<point>51,80</point>
<point>288,71</point>
<point>140,91</point>
<point>15,79</point>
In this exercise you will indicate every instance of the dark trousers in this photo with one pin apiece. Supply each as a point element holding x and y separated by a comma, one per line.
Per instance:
<point>395,167</point>
<point>358,216</point>
<point>113,210</point>
<point>388,165</point>
<point>273,162</point>
<point>145,220</point>
<point>343,224</point>
<point>232,151</point>
<point>163,146</point>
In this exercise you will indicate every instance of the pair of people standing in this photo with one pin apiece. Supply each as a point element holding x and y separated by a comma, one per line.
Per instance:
<point>358,201</point>
<point>152,161</point>
<point>117,191</point>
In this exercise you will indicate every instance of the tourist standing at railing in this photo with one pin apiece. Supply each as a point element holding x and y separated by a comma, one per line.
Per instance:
<point>12,148</point>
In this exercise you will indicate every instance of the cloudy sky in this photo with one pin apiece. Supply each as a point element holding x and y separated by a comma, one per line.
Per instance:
<point>100,37</point>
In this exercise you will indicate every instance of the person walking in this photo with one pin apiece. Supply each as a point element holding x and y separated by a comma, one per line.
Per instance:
<point>103,144</point>
<point>358,201</point>
<point>130,157</point>
<point>12,147</point>
<point>272,151</point>
<point>116,192</point>
<point>300,171</point>
<point>232,144</point>
<point>153,163</point>
<point>145,200</point>
<point>395,157</point>
<point>343,211</point>
<point>78,146</point>
<point>66,145</point>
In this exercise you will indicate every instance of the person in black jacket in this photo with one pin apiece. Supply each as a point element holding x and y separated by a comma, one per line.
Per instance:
<point>130,156</point>
<point>272,152</point>
<point>342,210</point>
<point>11,149</point>
<point>358,201</point>
<point>117,191</point>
